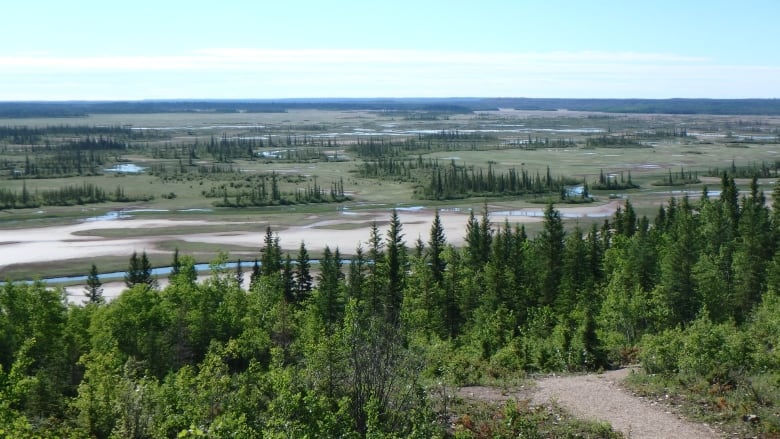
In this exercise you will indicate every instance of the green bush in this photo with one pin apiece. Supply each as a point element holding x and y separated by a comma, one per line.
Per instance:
<point>659,353</point>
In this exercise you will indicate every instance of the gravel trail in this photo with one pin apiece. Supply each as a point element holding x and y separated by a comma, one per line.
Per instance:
<point>600,397</point>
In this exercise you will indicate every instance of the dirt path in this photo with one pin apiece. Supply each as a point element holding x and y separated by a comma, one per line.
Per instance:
<point>600,397</point>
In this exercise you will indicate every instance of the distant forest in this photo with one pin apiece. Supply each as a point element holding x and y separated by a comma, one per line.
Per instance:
<point>768,107</point>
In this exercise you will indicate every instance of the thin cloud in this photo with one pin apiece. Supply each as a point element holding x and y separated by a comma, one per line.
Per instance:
<point>242,58</point>
<point>273,73</point>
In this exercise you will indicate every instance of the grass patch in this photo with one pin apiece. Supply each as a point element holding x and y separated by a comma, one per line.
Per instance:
<point>518,418</point>
<point>746,406</point>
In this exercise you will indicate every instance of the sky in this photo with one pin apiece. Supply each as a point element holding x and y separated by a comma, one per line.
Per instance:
<point>99,50</point>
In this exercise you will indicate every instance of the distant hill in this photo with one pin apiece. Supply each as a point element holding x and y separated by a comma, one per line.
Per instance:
<point>769,107</point>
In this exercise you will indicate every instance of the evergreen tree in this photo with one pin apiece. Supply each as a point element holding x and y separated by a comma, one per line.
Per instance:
<point>485,235</point>
<point>329,300</point>
<point>436,244</point>
<point>94,288</point>
<point>629,220</point>
<point>729,196</point>
<point>575,273</point>
<point>175,265</point>
<point>395,269</point>
<point>255,276</point>
<point>239,274</point>
<point>357,275</point>
<point>375,281</point>
<point>139,271</point>
<point>550,244</point>
<point>679,252</point>
<point>302,275</point>
<point>271,254</point>
<point>754,249</point>
<point>288,281</point>
<point>474,242</point>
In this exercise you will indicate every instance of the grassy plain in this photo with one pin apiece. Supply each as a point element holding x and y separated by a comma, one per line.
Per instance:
<point>564,141</point>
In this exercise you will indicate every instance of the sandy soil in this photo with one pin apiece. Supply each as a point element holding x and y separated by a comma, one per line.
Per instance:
<point>599,397</point>
<point>345,232</point>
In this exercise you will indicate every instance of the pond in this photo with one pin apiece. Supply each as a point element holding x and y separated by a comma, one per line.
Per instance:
<point>126,168</point>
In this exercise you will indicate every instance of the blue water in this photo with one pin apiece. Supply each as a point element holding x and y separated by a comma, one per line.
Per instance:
<point>127,168</point>
<point>159,271</point>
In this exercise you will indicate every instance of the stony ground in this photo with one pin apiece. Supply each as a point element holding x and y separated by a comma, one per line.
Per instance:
<point>601,397</point>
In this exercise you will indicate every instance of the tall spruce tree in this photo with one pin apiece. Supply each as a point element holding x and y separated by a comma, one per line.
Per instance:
<point>239,274</point>
<point>139,271</point>
<point>436,245</point>
<point>329,300</point>
<point>94,288</point>
<point>395,269</point>
<point>550,244</point>
<point>302,273</point>
<point>271,254</point>
<point>374,283</point>
<point>175,265</point>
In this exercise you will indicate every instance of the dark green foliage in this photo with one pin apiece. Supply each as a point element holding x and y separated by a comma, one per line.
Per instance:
<point>329,299</point>
<point>302,273</point>
<point>94,288</point>
<point>271,254</point>
<point>394,268</point>
<point>139,271</point>
<point>87,193</point>
<point>550,245</point>
<point>436,244</point>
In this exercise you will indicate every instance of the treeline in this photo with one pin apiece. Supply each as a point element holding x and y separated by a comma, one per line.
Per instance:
<point>377,147</point>
<point>681,178</point>
<point>532,143</point>
<point>80,157</point>
<point>86,193</point>
<point>460,181</point>
<point>612,141</point>
<point>226,150</point>
<point>62,163</point>
<point>762,170</point>
<point>442,182</point>
<point>265,190</point>
<point>402,106</point>
<point>25,135</point>
<point>611,182</point>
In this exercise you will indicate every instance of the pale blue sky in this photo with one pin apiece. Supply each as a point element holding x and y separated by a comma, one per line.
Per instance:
<point>55,50</point>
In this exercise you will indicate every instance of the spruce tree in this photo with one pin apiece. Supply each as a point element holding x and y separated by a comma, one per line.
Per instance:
<point>329,301</point>
<point>175,264</point>
<point>550,252</point>
<point>436,244</point>
<point>374,282</point>
<point>302,273</point>
<point>239,274</point>
<point>271,254</point>
<point>94,288</point>
<point>288,280</point>
<point>255,276</point>
<point>357,274</point>
<point>474,242</point>
<point>395,265</point>
<point>139,271</point>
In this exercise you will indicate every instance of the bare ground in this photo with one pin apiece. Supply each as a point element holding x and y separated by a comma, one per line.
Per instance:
<point>58,243</point>
<point>601,397</point>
